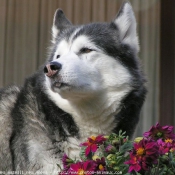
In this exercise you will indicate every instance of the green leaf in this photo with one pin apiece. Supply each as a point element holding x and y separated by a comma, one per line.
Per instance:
<point>126,147</point>
<point>59,167</point>
<point>82,154</point>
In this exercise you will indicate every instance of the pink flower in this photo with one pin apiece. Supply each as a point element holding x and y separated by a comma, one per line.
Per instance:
<point>101,164</point>
<point>146,148</point>
<point>158,131</point>
<point>82,168</point>
<point>110,149</point>
<point>66,162</point>
<point>134,163</point>
<point>143,156</point>
<point>92,143</point>
<point>166,145</point>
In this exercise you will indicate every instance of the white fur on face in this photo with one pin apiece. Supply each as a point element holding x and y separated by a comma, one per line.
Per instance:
<point>89,73</point>
<point>77,69</point>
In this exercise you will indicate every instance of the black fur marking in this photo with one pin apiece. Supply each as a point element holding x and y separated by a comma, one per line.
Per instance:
<point>130,111</point>
<point>56,120</point>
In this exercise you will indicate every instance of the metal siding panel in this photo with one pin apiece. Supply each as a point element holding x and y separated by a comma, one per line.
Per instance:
<point>82,11</point>
<point>111,10</point>
<point>32,51</point>
<point>149,29</point>
<point>167,57</point>
<point>3,11</point>
<point>98,10</point>
<point>47,10</point>
<point>87,12</point>
<point>20,37</point>
<point>9,44</point>
<point>43,31</point>
<point>78,11</point>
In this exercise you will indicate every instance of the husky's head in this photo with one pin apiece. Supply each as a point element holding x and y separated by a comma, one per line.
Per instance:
<point>93,60</point>
<point>94,64</point>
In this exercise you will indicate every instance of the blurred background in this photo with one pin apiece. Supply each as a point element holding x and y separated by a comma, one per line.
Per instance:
<point>25,34</point>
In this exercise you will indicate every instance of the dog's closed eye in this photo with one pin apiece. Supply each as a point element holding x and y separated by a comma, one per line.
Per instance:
<point>85,50</point>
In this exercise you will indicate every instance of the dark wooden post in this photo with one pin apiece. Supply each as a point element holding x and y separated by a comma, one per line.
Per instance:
<point>167,62</point>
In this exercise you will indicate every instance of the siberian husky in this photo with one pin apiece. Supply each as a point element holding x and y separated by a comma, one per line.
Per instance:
<point>91,84</point>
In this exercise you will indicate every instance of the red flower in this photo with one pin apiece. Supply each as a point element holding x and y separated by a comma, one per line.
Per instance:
<point>82,168</point>
<point>134,163</point>
<point>66,162</point>
<point>101,164</point>
<point>92,143</point>
<point>166,145</point>
<point>110,149</point>
<point>158,131</point>
<point>144,155</point>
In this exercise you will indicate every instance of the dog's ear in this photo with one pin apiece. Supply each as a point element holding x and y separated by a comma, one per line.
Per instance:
<point>60,22</point>
<point>126,24</point>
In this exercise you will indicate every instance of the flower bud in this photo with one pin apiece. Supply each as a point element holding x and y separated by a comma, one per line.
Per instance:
<point>138,139</point>
<point>113,162</point>
<point>116,168</point>
<point>172,150</point>
<point>95,157</point>
<point>110,149</point>
<point>165,159</point>
<point>106,137</point>
<point>109,157</point>
<point>116,142</point>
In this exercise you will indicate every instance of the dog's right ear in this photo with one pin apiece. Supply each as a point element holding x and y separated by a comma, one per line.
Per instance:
<point>60,22</point>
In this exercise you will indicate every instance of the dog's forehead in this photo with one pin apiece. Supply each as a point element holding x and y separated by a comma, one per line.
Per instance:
<point>74,39</point>
<point>74,45</point>
<point>97,34</point>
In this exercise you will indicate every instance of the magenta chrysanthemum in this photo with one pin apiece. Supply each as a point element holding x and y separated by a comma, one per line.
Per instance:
<point>66,162</point>
<point>143,155</point>
<point>134,163</point>
<point>160,132</point>
<point>83,168</point>
<point>166,145</point>
<point>92,143</point>
<point>101,164</point>
<point>110,149</point>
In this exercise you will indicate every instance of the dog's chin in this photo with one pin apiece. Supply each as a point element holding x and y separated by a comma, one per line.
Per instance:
<point>70,91</point>
<point>58,86</point>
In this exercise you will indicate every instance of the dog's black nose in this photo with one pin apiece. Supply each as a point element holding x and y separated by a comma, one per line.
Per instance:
<point>52,69</point>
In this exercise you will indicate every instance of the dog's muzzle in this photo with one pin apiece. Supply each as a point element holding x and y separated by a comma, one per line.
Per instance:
<point>52,69</point>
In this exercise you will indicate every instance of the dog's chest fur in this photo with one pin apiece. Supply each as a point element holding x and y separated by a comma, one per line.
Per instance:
<point>57,132</point>
<point>80,121</point>
<point>47,149</point>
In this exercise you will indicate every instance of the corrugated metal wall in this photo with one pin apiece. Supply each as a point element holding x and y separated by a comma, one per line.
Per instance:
<point>25,32</point>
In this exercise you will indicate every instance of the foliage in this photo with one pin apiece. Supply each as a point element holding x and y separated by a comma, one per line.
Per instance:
<point>153,154</point>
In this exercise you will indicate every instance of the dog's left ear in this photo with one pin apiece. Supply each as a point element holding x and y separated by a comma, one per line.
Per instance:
<point>60,22</point>
<point>126,24</point>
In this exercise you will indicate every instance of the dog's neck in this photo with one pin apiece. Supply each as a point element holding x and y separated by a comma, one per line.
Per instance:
<point>93,115</point>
